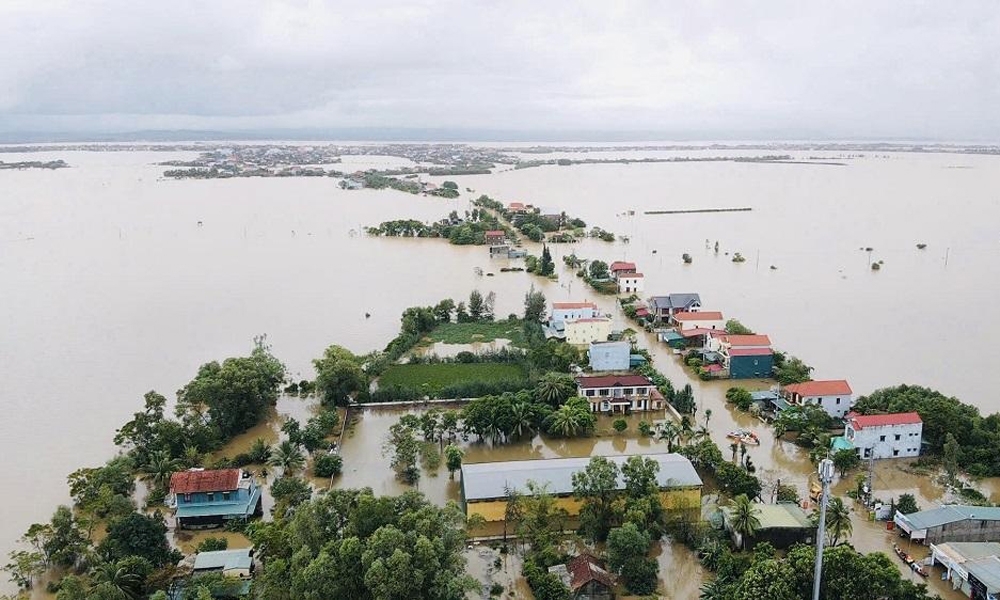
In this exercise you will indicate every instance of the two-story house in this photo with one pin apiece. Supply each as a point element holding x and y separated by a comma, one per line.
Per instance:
<point>664,307</point>
<point>631,283</point>
<point>703,319</point>
<point>581,332</point>
<point>208,498</point>
<point>571,311</point>
<point>610,356</point>
<point>496,237</point>
<point>620,267</point>
<point>834,396</point>
<point>743,356</point>
<point>894,435</point>
<point>620,393</point>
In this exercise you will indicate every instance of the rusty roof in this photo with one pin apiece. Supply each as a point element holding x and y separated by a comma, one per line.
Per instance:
<point>218,480</point>
<point>832,387</point>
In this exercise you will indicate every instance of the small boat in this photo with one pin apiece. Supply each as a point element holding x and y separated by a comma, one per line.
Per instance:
<point>750,439</point>
<point>918,569</point>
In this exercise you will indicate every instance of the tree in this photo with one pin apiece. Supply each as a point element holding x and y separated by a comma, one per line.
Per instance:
<point>708,415</point>
<point>772,579</point>
<point>534,305</point>
<point>24,567</point>
<point>453,459</point>
<point>598,269</point>
<point>907,504</point>
<point>845,460</point>
<point>237,393</point>
<point>951,455</point>
<point>443,310</point>
<point>405,450</point>
<point>620,425</point>
<point>596,487</point>
<point>124,579</point>
<point>744,520</point>
<point>289,492</point>
<point>65,543</point>
<point>476,306</point>
<point>627,549</point>
<point>288,457</point>
<point>338,375</point>
<point>160,467</point>
<point>139,535</point>
<point>571,419</point>
<point>546,266</point>
<point>736,328</point>
<point>328,465</point>
<point>260,452</point>
<point>741,397</point>
<point>838,520</point>
<point>213,544</point>
<point>555,388</point>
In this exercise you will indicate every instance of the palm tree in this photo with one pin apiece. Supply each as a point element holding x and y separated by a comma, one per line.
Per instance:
<point>523,420</point>
<point>564,422</point>
<point>161,466</point>
<point>555,388</point>
<point>734,447</point>
<point>715,589</point>
<point>708,415</point>
<point>743,514</point>
<point>743,453</point>
<point>686,429</point>
<point>112,581</point>
<point>838,521</point>
<point>670,432</point>
<point>260,451</point>
<point>287,456</point>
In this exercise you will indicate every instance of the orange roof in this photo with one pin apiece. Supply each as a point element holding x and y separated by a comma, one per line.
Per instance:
<point>862,421</point>
<point>495,232</point>
<point>620,265</point>
<point>218,480</point>
<point>747,340</point>
<point>596,320</point>
<point>632,275</point>
<point>706,315</point>
<point>832,387</point>
<point>571,305</point>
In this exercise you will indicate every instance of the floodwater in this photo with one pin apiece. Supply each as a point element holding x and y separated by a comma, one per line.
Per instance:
<point>114,282</point>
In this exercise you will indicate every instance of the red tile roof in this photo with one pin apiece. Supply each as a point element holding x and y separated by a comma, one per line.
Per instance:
<point>605,381</point>
<point>695,332</point>
<point>708,315</point>
<point>632,275</point>
<point>190,482</point>
<point>750,352</point>
<point>833,387</point>
<point>585,568</point>
<point>862,421</point>
<point>595,320</point>
<point>642,311</point>
<point>516,206</point>
<point>495,232</point>
<point>571,305</point>
<point>620,265</point>
<point>747,340</point>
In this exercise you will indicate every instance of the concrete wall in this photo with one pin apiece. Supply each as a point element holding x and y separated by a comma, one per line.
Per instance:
<point>972,530</point>
<point>572,314</point>
<point>750,367</point>
<point>581,333</point>
<point>908,444</point>
<point>610,357</point>
<point>677,499</point>
<point>835,406</point>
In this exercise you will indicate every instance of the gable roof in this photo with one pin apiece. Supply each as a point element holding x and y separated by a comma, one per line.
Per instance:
<point>489,481</point>
<point>831,387</point>
<point>620,265</point>
<point>750,352</point>
<point>783,515</point>
<point>705,315</point>
<point>224,559</point>
<point>192,482</point>
<point>755,339</point>
<point>861,421</point>
<point>572,305</point>
<point>585,568</point>
<point>495,232</point>
<point>950,513</point>
<point>676,300</point>
<point>604,381</point>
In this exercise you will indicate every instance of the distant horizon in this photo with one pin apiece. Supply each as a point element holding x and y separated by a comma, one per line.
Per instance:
<point>451,135</point>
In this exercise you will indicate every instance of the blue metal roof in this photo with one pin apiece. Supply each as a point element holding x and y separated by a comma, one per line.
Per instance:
<point>951,513</point>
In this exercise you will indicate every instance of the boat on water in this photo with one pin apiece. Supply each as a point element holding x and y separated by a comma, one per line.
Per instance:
<point>909,560</point>
<point>744,436</point>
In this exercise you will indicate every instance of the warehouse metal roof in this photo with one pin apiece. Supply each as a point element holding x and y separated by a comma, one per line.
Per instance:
<point>489,481</point>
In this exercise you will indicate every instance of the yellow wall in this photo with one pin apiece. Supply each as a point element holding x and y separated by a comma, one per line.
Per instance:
<point>581,334</point>
<point>493,511</point>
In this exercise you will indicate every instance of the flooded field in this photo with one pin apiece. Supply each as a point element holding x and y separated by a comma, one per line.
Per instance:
<point>115,282</point>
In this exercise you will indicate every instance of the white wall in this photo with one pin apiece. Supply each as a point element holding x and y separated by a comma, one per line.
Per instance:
<point>883,442</point>
<point>835,406</point>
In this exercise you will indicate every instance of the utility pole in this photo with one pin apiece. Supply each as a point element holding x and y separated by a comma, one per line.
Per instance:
<point>825,472</point>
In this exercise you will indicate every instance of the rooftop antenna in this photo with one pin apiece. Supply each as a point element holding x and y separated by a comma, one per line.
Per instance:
<point>825,472</point>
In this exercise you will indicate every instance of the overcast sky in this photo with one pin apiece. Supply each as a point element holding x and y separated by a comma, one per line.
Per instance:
<point>713,70</point>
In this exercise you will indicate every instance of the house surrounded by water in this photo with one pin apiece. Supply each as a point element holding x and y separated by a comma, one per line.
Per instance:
<point>834,395</point>
<point>620,394</point>
<point>664,307</point>
<point>894,435</point>
<point>209,498</point>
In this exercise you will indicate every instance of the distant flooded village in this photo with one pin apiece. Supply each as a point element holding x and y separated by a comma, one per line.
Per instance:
<point>591,430</point>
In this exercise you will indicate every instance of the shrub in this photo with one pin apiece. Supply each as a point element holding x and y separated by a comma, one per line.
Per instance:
<point>328,465</point>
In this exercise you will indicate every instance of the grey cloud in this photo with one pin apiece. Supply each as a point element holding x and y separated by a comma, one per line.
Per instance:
<point>842,69</point>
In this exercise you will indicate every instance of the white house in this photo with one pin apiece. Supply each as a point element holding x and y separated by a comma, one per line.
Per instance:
<point>703,319</point>
<point>895,435</point>
<point>572,311</point>
<point>582,332</point>
<point>834,396</point>
<point>620,393</point>
<point>631,283</point>
<point>620,267</point>
<point>610,356</point>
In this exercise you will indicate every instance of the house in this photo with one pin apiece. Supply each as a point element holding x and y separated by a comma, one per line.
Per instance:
<point>581,332</point>
<point>744,356</point>
<point>496,237</point>
<point>571,311</point>
<point>833,396</point>
<point>895,435</point>
<point>782,525</point>
<point>500,251</point>
<point>619,268</point>
<point>485,486</point>
<point>516,207</point>
<point>631,283</point>
<point>514,253</point>
<point>209,498</point>
<point>951,523</point>
<point>231,563</point>
<point>703,319</point>
<point>972,567</point>
<point>552,215</point>
<point>664,307</point>
<point>610,356</point>
<point>586,578</point>
<point>620,393</point>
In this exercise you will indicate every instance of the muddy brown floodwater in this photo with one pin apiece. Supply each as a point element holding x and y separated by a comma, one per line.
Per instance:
<point>115,282</point>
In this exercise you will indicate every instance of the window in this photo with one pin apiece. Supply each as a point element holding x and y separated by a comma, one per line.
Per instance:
<point>225,495</point>
<point>881,438</point>
<point>211,496</point>
<point>898,436</point>
<point>590,393</point>
<point>895,452</point>
<point>187,497</point>
<point>838,400</point>
<point>627,391</point>
<point>604,392</point>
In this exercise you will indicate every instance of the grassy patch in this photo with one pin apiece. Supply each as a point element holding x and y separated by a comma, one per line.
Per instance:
<point>469,333</point>
<point>438,376</point>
